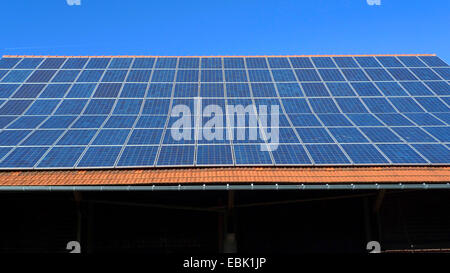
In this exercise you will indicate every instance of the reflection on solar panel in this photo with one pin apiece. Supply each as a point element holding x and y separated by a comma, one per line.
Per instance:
<point>67,112</point>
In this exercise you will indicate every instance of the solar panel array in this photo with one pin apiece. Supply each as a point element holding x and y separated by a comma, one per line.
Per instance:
<point>102,112</point>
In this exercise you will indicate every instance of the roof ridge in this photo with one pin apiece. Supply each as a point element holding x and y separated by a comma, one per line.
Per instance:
<point>218,56</point>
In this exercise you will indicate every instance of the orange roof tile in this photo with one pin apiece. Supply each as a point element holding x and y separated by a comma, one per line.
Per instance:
<point>257,175</point>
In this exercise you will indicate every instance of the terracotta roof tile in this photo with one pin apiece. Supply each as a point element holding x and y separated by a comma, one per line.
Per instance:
<point>257,175</point>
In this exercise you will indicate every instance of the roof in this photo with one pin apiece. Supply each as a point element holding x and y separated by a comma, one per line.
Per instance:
<point>389,124</point>
<point>246,175</point>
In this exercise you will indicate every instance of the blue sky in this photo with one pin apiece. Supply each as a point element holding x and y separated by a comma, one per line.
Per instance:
<point>225,27</point>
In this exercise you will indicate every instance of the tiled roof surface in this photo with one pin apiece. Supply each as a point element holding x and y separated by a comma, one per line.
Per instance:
<point>306,175</point>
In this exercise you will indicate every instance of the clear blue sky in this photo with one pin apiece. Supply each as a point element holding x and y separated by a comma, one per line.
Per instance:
<point>224,27</point>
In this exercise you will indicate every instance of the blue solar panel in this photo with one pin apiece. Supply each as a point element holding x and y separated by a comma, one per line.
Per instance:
<point>304,120</point>
<point>114,76</point>
<point>348,135</point>
<point>151,122</point>
<point>379,105</point>
<point>113,112</point>
<point>163,75</point>
<point>187,75</point>
<point>138,156</point>
<point>391,89</point>
<point>440,87</point>
<point>103,156</point>
<point>237,90</point>
<point>134,90</point>
<point>166,63</point>
<point>416,88</point>
<point>259,76</point>
<point>176,155</point>
<point>323,106</point>
<point>120,122</point>
<point>211,63</point>
<point>295,106</point>
<point>366,89</point>
<point>14,107</point>
<point>111,137</point>
<point>139,76</point>
<point>394,120</point>
<point>28,91</point>
<point>252,154</point>
<point>334,120</point>
<point>314,135</point>
<point>155,90</point>
<point>90,76</point>
<point>127,107</point>
<point>58,122</point>
<point>331,75</point>
<point>290,154</point>
<point>379,134</point>
<point>355,75</point>
<point>23,157</point>
<point>340,89</point>
<point>77,137</point>
<point>379,74</point>
<point>83,90</point>
<point>323,62</point>
<point>413,134</point>
<point>60,157</point>
<point>52,63</point>
<point>401,153</point>
<point>27,122</point>
<point>364,154</point>
<point>121,62</point>
<point>256,62</point>
<point>55,91</point>
<point>315,90</point>
<point>143,62</point>
<point>443,72</point>
<point>263,90</point>
<point>424,119</point>
<point>283,75</point>
<point>301,62</point>
<point>17,76</point>
<point>89,122</point>
<point>95,63</point>
<point>435,153</point>
<point>214,155</point>
<point>327,154</point>
<point>211,76</point>
<point>279,62</point>
<point>307,75</point>
<point>42,137</point>
<point>75,63</point>
<point>367,62</point>
<point>441,133</point>
<point>66,76</point>
<point>389,61</point>
<point>351,105</point>
<point>8,62</point>
<point>99,106</point>
<point>145,136</point>
<point>12,137</point>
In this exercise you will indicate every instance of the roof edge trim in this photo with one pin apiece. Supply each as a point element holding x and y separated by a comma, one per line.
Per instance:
<point>218,56</point>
